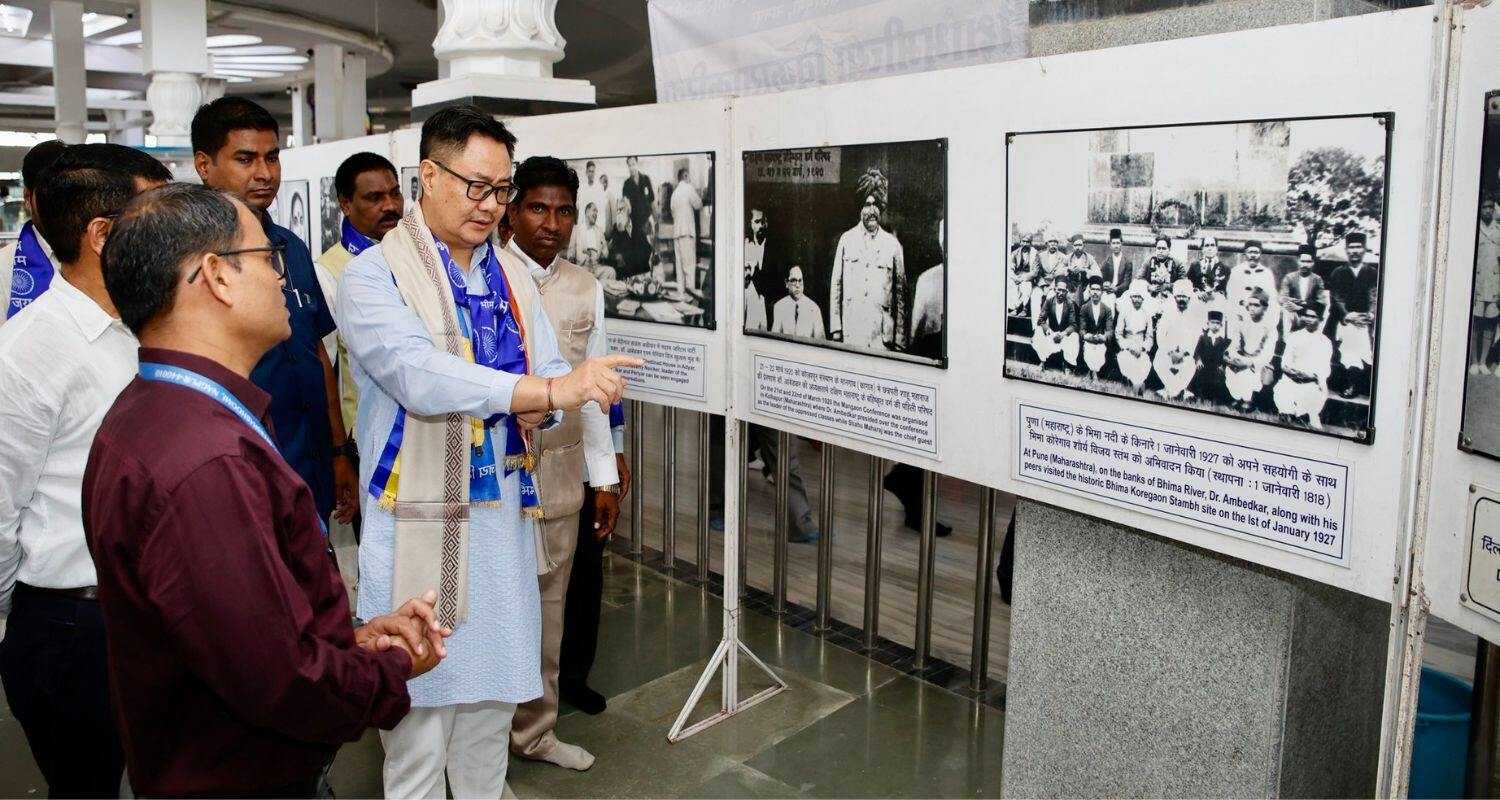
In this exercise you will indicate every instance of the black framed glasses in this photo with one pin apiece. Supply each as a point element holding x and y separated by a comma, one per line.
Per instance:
<point>479,191</point>
<point>276,253</point>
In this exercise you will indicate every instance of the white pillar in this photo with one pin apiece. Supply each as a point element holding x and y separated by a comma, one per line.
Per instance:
<point>443,68</point>
<point>174,52</point>
<point>302,132</point>
<point>69,80</point>
<point>211,89</point>
<point>352,98</point>
<point>126,127</point>
<point>502,49</point>
<point>328,79</point>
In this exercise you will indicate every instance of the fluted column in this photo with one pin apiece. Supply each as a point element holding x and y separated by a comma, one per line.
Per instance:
<point>502,51</point>
<point>174,52</point>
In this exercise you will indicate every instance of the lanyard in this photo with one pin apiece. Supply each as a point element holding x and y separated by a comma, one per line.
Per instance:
<point>188,379</point>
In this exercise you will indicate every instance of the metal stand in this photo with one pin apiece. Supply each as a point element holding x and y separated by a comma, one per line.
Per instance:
<point>783,474</point>
<point>1485,714</point>
<point>984,569</point>
<point>637,497</point>
<point>705,454</point>
<point>726,657</point>
<point>825,545</point>
<point>669,490</point>
<point>926,552</point>
<point>873,519</point>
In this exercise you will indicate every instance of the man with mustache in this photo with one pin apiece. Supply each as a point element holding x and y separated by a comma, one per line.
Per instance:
<point>1023,274</point>
<point>867,297</point>
<point>237,149</point>
<point>755,272</point>
<point>369,193</point>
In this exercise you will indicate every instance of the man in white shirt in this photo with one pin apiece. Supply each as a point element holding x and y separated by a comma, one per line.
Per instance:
<point>1177,333</point>
<point>757,274</point>
<point>1249,275</point>
<point>1306,362</point>
<point>541,221</point>
<point>796,314</point>
<point>1134,333</point>
<point>61,365</point>
<point>1252,344</point>
<point>13,258</point>
<point>685,205</point>
<point>591,191</point>
<point>588,247</point>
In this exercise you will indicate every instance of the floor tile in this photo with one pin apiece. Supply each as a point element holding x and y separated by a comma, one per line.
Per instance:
<point>908,739</point>
<point>661,633</point>
<point>741,737</point>
<point>815,658</point>
<point>634,760</point>
<point>744,782</point>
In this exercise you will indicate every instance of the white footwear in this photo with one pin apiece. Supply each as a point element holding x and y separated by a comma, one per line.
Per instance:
<point>569,756</point>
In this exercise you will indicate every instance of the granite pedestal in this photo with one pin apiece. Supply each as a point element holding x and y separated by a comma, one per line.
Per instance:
<point>1141,667</point>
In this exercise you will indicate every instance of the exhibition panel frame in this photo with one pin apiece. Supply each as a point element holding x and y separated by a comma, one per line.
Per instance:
<point>316,164</point>
<point>1459,567</point>
<point>1356,66</point>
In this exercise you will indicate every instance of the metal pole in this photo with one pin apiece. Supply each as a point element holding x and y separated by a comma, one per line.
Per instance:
<point>637,496</point>
<point>783,474</point>
<point>979,647</point>
<point>825,544</point>
<point>742,527</point>
<point>873,520</point>
<point>926,551</point>
<point>705,455</point>
<point>669,489</point>
<point>1485,715</point>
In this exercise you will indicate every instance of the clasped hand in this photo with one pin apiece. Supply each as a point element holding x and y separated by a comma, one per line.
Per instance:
<point>414,628</point>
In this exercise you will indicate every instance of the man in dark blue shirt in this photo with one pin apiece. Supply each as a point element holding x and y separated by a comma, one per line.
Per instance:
<point>236,149</point>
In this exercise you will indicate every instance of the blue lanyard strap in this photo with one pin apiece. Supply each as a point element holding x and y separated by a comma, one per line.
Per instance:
<point>188,379</point>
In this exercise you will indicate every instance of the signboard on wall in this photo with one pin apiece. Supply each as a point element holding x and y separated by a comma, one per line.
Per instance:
<point>713,48</point>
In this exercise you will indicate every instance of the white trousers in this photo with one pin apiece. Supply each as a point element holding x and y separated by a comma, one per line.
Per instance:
<point>1135,368</point>
<point>685,253</point>
<point>1242,383</point>
<point>1174,377</point>
<point>1354,345</point>
<point>1094,356</point>
<point>1041,342</point>
<point>469,744</point>
<point>1298,399</point>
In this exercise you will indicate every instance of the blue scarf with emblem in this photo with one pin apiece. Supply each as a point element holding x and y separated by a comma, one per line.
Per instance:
<point>33,271</point>
<point>352,240</point>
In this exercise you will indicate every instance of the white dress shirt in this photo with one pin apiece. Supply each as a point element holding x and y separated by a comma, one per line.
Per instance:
<point>598,441</point>
<point>61,365</point>
<point>797,317</point>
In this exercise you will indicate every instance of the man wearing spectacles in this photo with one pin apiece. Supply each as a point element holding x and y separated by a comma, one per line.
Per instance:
<point>236,149</point>
<point>457,365</point>
<point>61,363</point>
<point>797,314</point>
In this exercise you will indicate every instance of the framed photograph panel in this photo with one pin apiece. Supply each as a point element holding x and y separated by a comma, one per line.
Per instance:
<point>844,248</point>
<point>1481,420</point>
<point>645,228</point>
<point>291,209</point>
<point>1231,268</point>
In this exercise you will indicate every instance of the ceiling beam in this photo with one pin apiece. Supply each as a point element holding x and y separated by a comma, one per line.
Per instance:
<point>48,100</point>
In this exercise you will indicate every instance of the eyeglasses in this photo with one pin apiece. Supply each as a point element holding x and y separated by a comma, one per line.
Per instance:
<point>275,252</point>
<point>479,191</point>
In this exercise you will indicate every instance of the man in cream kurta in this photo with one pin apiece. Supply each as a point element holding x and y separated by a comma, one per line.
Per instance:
<point>541,221</point>
<point>867,292</point>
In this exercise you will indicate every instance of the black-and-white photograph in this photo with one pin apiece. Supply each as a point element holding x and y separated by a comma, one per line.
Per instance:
<point>645,228</point>
<point>329,214</point>
<point>1231,268</point>
<point>1481,425</point>
<point>844,247</point>
<point>290,210</point>
<point>411,184</point>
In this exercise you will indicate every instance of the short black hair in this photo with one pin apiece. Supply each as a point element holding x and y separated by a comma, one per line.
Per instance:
<point>356,165</point>
<point>38,159</point>
<point>215,121</point>
<point>539,171</point>
<point>85,182</point>
<point>158,232</point>
<point>450,129</point>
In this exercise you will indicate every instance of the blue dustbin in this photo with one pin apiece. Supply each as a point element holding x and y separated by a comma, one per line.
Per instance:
<point>1440,745</point>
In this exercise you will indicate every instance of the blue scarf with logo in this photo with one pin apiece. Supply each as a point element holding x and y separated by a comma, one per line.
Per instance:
<point>352,240</point>
<point>33,271</point>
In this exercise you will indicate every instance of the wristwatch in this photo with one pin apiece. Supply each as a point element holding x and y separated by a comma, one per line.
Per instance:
<point>613,488</point>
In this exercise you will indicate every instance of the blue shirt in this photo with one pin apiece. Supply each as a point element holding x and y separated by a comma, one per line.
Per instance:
<point>293,376</point>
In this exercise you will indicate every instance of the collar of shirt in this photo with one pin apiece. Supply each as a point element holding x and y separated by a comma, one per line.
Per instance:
<point>535,268</point>
<point>248,393</point>
<point>92,320</point>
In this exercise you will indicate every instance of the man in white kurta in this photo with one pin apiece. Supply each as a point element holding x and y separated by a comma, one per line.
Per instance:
<point>1306,363</point>
<point>686,201</point>
<point>797,314</point>
<point>867,297</point>
<point>1134,333</point>
<point>1177,335</point>
<point>1252,343</point>
<point>1247,276</point>
<point>457,733</point>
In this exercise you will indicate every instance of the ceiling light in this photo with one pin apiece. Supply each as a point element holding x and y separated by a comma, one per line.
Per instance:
<point>126,39</point>
<point>256,50</point>
<point>247,73</point>
<point>233,40</point>
<point>251,61</point>
<point>95,24</point>
<point>14,21</point>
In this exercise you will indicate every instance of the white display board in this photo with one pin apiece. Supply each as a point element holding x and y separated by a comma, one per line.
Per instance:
<point>1359,65</point>
<point>316,162</point>
<point>1454,471</point>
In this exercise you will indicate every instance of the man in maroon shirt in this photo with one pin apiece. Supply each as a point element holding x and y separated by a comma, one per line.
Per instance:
<point>234,668</point>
